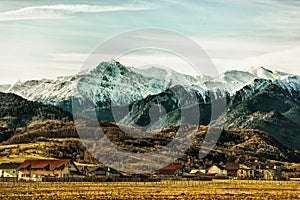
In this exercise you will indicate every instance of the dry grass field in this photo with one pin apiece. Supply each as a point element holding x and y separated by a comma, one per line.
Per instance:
<point>161,190</point>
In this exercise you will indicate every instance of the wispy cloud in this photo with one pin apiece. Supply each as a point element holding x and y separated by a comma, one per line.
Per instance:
<point>69,57</point>
<point>60,11</point>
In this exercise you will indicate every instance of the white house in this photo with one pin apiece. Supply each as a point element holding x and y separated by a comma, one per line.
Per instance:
<point>9,170</point>
<point>217,170</point>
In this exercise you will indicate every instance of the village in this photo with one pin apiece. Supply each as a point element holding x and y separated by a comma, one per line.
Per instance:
<point>64,170</point>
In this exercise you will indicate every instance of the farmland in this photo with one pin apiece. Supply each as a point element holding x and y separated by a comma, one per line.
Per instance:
<point>217,189</point>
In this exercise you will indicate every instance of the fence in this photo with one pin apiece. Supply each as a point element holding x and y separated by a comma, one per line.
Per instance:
<point>99,179</point>
<point>8,179</point>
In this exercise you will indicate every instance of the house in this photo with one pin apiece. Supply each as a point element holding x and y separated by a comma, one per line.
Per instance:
<point>217,170</point>
<point>258,168</point>
<point>254,170</point>
<point>102,171</point>
<point>232,169</point>
<point>171,170</point>
<point>9,170</point>
<point>272,171</point>
<point>245,172</point>
<point>266,171</point>
<point>248,170</point>
<point>35,170</point>
<point>197,172</point>
<point>194,173</point>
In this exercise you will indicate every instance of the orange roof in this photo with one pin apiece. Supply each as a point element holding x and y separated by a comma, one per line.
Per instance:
<point>41,164</point>
<point>170,169</point>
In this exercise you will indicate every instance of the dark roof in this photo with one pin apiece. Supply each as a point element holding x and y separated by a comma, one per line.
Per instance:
<point>103,169</point>
<point>41,164</point>
<point>170,169</point>
<point>9,165</point>
<point>232,166</point>
<point>74,172</point>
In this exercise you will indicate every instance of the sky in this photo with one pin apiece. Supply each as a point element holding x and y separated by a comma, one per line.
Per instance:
<point>45,39</point>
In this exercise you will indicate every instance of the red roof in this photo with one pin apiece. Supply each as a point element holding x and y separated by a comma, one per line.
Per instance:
<point>253,163</point>
<point>170,169</point>
<point>41,164</point>
<point>232,166</point>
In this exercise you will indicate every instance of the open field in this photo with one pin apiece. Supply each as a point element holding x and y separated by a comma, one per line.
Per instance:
<point>217,189</point>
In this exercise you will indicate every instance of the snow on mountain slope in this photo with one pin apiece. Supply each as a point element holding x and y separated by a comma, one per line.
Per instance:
<point>235,80</point>
<point>4,87</point>
<point>286,81</point>
<point>262,72</point>
<point>292,81</point>
<point>110,82</point>
<point>231,81</point>
<point>113,83</point>
<point>46,91</point>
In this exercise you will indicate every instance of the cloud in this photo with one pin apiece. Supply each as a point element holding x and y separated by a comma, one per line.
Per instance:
<point>60,11</point>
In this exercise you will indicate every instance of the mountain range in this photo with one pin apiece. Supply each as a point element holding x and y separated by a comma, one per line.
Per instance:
<point>257,98</point>
<point>113,83</point>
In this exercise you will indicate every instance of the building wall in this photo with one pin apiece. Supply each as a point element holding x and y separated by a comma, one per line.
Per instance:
<point>246,174</point>
<point>241,174</point>
<point>179,172</point>
<point>66,172</point>
<point>268,174</point>
<point>216,170</point>
<point>37,174</point>
<point>8,173</point>
<point>232,173</point>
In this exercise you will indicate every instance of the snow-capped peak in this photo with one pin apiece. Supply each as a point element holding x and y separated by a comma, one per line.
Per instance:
<point>111,82</point>
<point>262,72</point>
